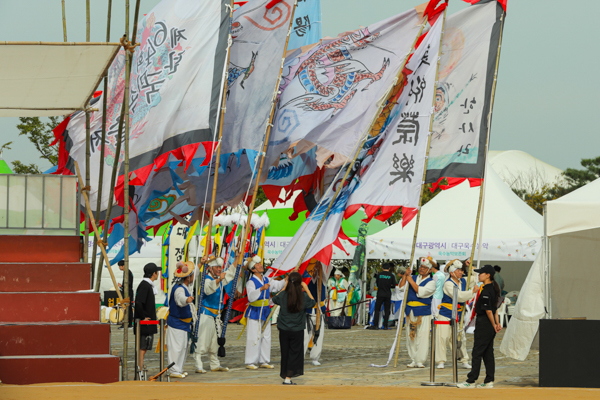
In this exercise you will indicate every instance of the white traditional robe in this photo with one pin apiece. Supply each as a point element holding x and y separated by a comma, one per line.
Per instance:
<point>418,347</point>
<point>335,287</point>
<point>443,339</point>
<point>177,339</point>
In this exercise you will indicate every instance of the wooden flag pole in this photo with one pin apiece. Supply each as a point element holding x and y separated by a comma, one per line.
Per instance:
<point>102,147</point>
<point>96,233</point>
<point>86,249</point>
<point>414,243</point>
<point>341,185</point>
<point>487,141</point>
<point>64,20</point>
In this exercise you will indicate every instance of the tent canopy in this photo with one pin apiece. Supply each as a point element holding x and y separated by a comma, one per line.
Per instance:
<point>39,79</point>
<point>576,211</point>
<point>512,230</point>
<point>523,171</point>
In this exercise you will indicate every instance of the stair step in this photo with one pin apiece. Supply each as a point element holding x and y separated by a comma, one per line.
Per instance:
<point>44,277</point>
<point>49,306</point>
<point>45,249</point>
<point>24,370</point>
<point>64,338</point>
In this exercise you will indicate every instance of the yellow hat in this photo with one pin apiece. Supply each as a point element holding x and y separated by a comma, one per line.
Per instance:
<point>184,269</point>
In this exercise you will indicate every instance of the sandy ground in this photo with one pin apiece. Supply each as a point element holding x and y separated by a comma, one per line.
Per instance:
<point>344,373</point>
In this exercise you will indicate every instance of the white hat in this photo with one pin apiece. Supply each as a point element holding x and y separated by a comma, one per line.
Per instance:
<point>338,272</point>
<point>215,261</point>
<point>252,262</point>
<point>451,267</point>
<point>426,263</point>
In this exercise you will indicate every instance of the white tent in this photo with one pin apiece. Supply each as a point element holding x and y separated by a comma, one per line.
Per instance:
<point>512,231</point>
<point>523,171</point>
<point>564,280</point>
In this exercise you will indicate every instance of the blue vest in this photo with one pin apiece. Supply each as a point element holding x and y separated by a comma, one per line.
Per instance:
<point>177,314</point>
<point>446,307</point>
<point>412,296</point>
<point>313,290</point>
<point>254,312</point>
<point>211,304</point>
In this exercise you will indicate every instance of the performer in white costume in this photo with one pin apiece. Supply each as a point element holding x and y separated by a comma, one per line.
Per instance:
<point>210,326</point>
<point>418,313</point>
<point>311,326</point>
<point>181,312</point>
<point>338,289</point>
<point>444,332</point>
<point>258,289</point>
<point>439,278</point>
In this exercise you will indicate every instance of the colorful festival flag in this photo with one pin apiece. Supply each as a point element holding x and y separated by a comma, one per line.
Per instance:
<point>464,93</point>
<point>333,90</point>
<point>307,24</point>
<point>394,175</point>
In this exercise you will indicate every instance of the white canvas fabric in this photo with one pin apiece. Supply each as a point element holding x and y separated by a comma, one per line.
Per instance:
<point>61,78</point>
<point>576,211</point>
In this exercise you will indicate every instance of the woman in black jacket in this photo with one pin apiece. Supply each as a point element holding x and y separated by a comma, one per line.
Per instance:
<point>293,300</point>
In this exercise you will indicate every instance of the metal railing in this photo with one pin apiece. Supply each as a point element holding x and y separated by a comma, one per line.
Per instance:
<point>39,204</point>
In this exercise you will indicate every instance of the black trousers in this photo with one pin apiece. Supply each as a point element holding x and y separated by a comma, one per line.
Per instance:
<point>292,353</point>
<point>483,348</point>
<point>387,304</point>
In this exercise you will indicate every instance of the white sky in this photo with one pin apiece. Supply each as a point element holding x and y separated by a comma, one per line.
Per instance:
<point>548,91</point>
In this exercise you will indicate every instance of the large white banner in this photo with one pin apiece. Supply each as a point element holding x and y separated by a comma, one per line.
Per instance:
<point>331,93</point>
<point>394,177</point>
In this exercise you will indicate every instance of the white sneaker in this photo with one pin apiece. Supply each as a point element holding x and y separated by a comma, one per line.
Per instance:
<point>466,385</point>
<point>419,365</point>
<point>200,371</point>
<point>267,366</point>
<point>464,365</point>
<point>176,375</point>
<point>488,385</point>
<point>251,366</point>
<point>440,365</point>
<point>316,363</point>
<point>412,365</point>
<point>185,374</point>
<point>220,369</point>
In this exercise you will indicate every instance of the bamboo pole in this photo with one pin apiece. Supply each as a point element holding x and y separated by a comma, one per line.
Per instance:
<point>93,222</point>
<point>86,240</point>
<point>25,43</point>
<point>64,19</point>
<point>102,147</point>
<point>87,21</point>
<point>487,141</point>
<point>414,243</point>
<point>480,204</point>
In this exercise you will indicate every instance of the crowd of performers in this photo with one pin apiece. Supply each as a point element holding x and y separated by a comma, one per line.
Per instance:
<point>430,295</point>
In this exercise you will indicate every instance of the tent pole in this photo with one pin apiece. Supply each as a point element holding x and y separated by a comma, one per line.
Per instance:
<point>487,142</point>
<point>86,239</point>
<point>102,147</point>
<point>64,18</point>
<point>365,319</point>
<point>418,217</point>
<point>546,261</point>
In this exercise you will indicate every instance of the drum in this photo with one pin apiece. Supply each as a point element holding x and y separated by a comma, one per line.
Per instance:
<point>162,313</point>
<point>117,315</point>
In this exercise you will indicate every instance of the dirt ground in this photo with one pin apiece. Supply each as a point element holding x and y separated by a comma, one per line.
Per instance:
<point>344,373</point>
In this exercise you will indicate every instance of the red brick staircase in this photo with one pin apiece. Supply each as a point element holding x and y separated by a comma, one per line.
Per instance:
<point>49,332</point>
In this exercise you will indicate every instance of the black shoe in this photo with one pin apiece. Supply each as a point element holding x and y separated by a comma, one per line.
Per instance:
<point>371,327</point>
<point>386,328</point>
<point>286,383</point>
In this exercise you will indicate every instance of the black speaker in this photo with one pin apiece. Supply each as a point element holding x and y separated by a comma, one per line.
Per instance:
<point>569,353</point>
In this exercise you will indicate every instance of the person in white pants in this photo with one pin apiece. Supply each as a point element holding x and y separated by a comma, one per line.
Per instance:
<point>210,327</point>
<point>180,318</point>
<point>258,289</point>
<point>418,313</point>
<point>311,315</point>
<point>444,332</point>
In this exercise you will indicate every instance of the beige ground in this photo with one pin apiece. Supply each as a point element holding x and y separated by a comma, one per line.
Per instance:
<point>345,374</point>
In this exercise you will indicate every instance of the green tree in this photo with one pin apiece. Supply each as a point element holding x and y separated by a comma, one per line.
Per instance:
<point>40,134</point>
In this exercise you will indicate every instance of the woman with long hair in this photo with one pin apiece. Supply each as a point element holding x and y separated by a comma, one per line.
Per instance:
<point>487,325</point>
<point>292,300</point>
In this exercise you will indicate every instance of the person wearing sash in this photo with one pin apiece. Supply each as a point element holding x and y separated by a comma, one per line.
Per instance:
<point>444,332</point>
<point>209,328</point>
<point>311,319</point>
<point>338,288</point>
<point>418,312</point>
<point>258,289</point>
<point>181,310</point>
